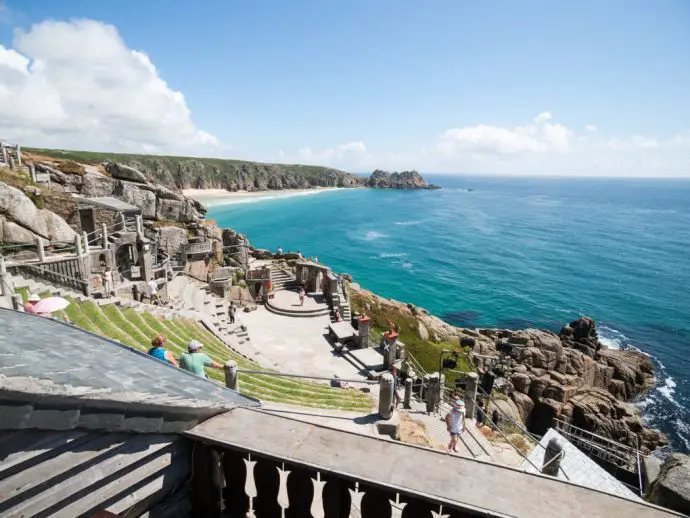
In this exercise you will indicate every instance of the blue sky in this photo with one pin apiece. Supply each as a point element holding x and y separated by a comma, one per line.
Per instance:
<point>536,87</point>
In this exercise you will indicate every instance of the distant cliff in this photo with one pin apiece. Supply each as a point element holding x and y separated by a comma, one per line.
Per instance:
<point>404,180</point>
<point>215,173</point>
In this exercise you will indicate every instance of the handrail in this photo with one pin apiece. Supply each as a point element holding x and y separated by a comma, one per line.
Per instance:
<point>36,267</point>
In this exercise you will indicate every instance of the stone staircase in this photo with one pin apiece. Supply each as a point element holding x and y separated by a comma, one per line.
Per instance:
<point>282,280</point>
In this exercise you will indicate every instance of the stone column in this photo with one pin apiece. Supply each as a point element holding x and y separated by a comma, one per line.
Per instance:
<point>432,394</point>
<point>32,171</point>
<point>4,289</point>
<point>77,245</point>
<point>19,155</point>
<point>104,235</point>
<point>363,331</point>
<point>386,396</point>
<point>123,221</point>
<point>40,250</point>
<point>471,394</point>
<point>140,227</point>
<point>86,242</point>
<point>553,457</point>
<point>408,394</point>
<point>232,379</point>
<point>390,345</point>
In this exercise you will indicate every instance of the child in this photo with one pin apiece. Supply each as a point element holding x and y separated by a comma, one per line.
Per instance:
<point>455,421</point>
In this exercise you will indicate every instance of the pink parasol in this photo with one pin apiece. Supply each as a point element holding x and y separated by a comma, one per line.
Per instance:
<point>50,304</point>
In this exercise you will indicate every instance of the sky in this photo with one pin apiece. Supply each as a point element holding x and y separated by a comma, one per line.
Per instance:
<point>580,88</point>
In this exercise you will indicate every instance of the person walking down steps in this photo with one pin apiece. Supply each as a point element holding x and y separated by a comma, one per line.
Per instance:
<point>455,421</point>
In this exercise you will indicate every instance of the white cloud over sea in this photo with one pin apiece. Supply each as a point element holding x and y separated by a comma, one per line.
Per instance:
<point>78,85</point>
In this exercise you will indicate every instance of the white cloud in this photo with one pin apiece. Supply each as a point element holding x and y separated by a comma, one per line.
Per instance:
<point>542,117</point>
<point>540,137</point>
<point>350,153</point>
<point>77,85</point>
<point>591,128</point>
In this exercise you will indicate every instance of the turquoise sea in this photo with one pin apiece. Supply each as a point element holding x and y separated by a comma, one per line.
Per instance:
<point>512,253</point>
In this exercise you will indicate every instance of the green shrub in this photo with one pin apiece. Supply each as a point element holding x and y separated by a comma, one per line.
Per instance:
<point>70,167</point>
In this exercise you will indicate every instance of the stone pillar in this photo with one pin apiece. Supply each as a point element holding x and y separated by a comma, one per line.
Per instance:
<point>77,246</point>
<point>390,345</point>
<point>408,393</point>
<point>232,379</point>
<point>19,155</point>
<point>4,289</point>
<point>123,221</point>
<point>145,260</point>
<point>40,250</point>
<point>140,227</point>
<point>386,396</point>
<point>471,394</point>
<point>104,235</point>
<point>86,242</point>
<point>32,171</point>
<point>552,457</point>
<point>432,393</point>
<point>363,331</point>
<point>4,154</point>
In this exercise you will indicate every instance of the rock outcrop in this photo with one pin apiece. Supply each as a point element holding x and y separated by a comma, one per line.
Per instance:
<point>404,180</point>
<point>671,488</point>
<point>21,221</point>
<point>569,376</point>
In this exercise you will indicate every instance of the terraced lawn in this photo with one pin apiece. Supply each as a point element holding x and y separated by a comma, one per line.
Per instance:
<point>136,330</point>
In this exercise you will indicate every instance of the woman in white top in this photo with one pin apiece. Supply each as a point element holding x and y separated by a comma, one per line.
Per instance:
<point>455,421</point>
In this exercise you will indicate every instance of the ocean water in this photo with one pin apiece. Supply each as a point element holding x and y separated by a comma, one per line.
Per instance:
<point>513,253</point>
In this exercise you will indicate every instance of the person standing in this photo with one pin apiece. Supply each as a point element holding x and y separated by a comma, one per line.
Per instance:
<point>455,422</point>
<point>153,292</point>
<point>194,360</point>
<point>280,250</point>
<point>161,353</point>
<point>302,294</point>
<point>231,312</point>
<point>107,282</point>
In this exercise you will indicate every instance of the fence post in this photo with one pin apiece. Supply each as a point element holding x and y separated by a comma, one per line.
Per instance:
<point>471,394</point>
<point>386,395</point>
<point>123,221</point>
<point>232,379</point>
<point>17,302</point>
<point>41,251</point>
<point>104,235</point>
<point>3,277</point>
<point>32,170</point>
<point>552,457</point>
<point>408,394</point>
<point>140,227</point>
<point>86,242</point>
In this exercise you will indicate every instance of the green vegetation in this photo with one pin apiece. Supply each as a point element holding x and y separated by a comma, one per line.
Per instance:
<point>196,172</point>
<point>426,352</point>
<point>136,330</point>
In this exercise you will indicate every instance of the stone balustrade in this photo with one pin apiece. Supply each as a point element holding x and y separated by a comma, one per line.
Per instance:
<point>203,247</point>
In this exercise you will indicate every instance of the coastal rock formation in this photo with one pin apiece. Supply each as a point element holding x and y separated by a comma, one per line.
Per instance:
<point>568,376</point>
<point>671,488</point>
<point>404,180</point>
<point>21,221</point>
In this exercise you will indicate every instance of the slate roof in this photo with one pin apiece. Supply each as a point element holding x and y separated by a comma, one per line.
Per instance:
<point>58,377</point>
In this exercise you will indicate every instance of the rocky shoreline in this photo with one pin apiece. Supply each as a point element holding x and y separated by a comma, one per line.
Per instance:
<point>569,376</point>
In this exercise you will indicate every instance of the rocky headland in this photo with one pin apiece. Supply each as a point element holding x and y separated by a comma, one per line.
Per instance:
<point>569,376</point>
<point>403,180</point>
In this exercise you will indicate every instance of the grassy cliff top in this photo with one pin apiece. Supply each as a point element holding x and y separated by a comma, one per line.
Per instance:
<point>97,157</point>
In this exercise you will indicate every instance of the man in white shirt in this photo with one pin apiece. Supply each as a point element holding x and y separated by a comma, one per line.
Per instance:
<point>153,292</point>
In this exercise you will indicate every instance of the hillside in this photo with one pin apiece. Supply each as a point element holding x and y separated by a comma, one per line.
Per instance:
<point>214,173</point>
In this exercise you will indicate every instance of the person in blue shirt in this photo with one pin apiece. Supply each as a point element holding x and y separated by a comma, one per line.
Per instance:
<point>159,352</point>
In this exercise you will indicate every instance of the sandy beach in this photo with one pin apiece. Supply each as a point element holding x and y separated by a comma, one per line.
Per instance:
<point>223,197</point>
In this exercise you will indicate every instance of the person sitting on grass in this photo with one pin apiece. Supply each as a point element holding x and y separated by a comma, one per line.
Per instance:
<point>194,360</point>
<point>161,353</point>
<point>30,303</point>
